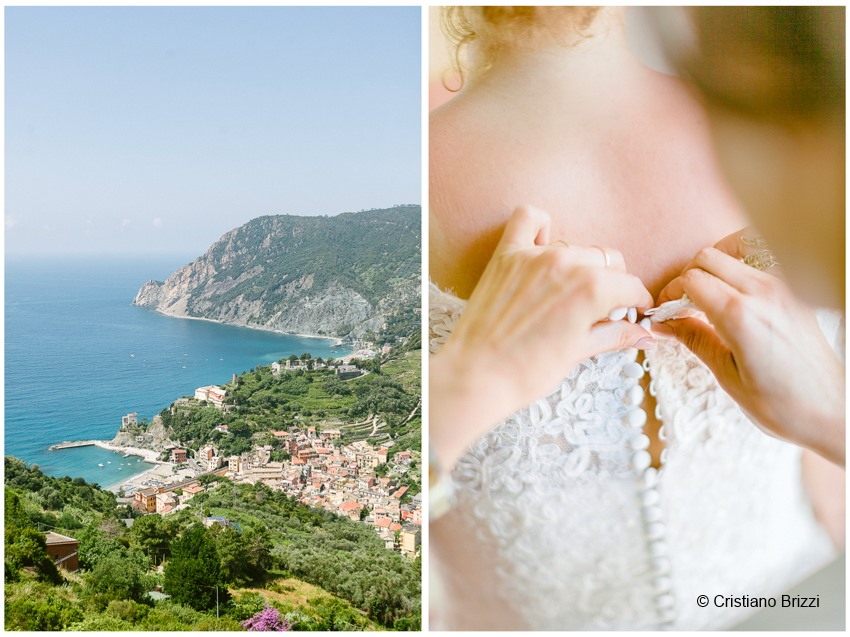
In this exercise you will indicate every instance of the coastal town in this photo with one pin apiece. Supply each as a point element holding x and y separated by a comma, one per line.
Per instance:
<point>370,480</point>
<point>357,481</point>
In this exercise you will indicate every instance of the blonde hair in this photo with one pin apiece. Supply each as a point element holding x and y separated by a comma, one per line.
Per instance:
<point>494,30</point>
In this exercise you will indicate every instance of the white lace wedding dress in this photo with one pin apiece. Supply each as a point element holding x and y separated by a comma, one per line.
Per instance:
<point>561,523</point>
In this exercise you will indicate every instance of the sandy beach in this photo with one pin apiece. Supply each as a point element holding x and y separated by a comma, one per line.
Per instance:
<point>161,472</point>
<point>148,455</point>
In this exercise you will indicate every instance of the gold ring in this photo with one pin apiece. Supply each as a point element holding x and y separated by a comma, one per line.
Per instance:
<point>604,254</point>
<point>761,260</point>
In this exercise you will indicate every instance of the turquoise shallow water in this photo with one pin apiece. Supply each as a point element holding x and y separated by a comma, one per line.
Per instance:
<point>78,356</point>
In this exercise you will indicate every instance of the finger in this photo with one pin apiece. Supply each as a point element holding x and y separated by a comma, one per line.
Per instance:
<point>737,249</point>
<point>732,244</point>
<point>615,289</point>
<point>704,341</point>
<point>542,237</point>
<point>526,227</point>
<point>709,292</point>
<point>673,290</point>
<point>609,336</point>
<point>735,272</point>
<point>727,309</point>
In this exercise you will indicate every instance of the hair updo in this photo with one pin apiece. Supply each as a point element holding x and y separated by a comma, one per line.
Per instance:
<point>496,30</point>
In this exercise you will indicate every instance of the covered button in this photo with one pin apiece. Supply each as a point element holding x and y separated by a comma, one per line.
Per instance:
<point>634,396</point>
<point>641,441</point>
<point>635,418</point>
<point>633,370</point>
<point>641,460</point>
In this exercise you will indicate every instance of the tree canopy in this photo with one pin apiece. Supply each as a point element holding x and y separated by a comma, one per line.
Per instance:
<point>193,573</point>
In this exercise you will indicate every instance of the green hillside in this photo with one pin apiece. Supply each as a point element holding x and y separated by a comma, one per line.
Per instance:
<point>371,252</point>
<point>321,571</point>
<point>264,402</point>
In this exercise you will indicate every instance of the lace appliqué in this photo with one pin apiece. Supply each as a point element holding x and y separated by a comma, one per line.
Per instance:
<point>571,529</point>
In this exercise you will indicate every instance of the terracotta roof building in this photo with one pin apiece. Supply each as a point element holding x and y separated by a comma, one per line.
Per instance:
<point>62,550</point>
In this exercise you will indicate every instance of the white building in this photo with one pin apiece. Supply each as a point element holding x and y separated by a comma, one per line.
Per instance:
<point>234,465</point>
<point>212,394</point>
<point>208,458</point>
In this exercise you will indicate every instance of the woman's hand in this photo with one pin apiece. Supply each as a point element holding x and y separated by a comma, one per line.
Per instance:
<point>537,311</point>
<point>764,346</point>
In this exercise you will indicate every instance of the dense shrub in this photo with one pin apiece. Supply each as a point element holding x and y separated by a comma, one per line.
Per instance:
<point>193,574</point>
<point>39,607</point>
<point>56,493</point>
<point>26,548</point>
<point>117,577</point>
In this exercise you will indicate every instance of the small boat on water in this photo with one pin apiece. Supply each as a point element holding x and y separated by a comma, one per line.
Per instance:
<point>100,464</point>
<point>109,462</point>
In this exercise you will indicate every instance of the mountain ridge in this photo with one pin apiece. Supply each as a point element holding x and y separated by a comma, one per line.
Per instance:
<point>343,276</point>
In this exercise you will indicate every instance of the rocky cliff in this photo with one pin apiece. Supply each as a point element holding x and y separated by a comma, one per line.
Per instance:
<point>341,276</point>
<point>156,436</point>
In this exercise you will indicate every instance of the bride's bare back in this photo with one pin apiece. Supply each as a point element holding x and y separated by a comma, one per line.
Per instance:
<point>617,153</point>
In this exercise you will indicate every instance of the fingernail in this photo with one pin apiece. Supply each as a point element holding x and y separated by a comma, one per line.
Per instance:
<point>632,314</point>
<point>618,314</point>
<point>646,324</point>
<point>646,343</point>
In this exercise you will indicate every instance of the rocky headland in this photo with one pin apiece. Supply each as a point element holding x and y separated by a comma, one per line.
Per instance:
<point>344,276</point>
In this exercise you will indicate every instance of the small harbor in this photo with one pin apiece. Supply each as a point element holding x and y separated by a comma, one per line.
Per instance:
<point>71,445</point>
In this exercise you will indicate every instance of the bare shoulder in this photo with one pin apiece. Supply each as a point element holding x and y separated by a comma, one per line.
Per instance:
<point>668,112</point>
<point>685,161</point>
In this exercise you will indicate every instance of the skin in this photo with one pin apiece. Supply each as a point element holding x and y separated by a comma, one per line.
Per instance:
<point>584,133</point>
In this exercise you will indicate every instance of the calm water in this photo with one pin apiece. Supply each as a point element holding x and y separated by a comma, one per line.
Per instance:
<point>79,356</point>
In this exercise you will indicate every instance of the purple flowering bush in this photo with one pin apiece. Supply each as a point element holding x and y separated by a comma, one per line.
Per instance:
<point>267,620</point>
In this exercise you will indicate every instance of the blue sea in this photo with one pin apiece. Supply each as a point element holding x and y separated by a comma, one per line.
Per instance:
<point>79,356</point>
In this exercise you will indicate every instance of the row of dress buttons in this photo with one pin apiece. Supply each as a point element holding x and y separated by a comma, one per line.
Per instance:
<point>635,419</point>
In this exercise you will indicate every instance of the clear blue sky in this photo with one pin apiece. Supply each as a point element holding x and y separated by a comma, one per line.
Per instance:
<point>156,130</point>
